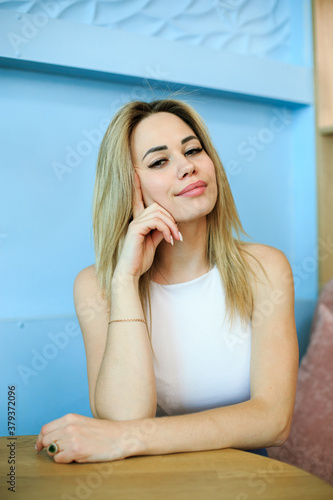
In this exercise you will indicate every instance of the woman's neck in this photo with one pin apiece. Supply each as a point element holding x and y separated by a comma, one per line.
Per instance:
<point>186,260</point>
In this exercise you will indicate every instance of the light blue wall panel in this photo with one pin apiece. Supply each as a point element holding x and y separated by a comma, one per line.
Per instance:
<point>304,188</point>
<point>47,367</point>
<point>300,39</point>
<point>80,49</point>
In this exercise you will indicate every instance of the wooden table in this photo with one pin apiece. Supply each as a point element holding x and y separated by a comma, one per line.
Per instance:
<point>219,474</point>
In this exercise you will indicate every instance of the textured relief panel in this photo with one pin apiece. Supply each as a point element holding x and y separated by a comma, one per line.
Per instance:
<point>249,27</point>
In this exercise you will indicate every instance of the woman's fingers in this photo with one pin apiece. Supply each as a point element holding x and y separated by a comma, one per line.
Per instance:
<point>52,437</point>
<point>138,204</point>
<point>157,237</point>
<point>83,439</point>
<point>52,427</point>
<point>156,212</point>
<point>159,222</point>
<point>45,430</point>
<point>62,437</point>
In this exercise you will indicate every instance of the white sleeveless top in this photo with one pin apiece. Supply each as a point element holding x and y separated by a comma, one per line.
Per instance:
<point>203,363</point>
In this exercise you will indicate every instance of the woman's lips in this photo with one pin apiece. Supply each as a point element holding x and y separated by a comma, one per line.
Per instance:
<point>195,189</point>
<point>194,192</point>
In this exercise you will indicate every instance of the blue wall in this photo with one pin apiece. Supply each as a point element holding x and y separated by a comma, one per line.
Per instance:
<point>64,72</point>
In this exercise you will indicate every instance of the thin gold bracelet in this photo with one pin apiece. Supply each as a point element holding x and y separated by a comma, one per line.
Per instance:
<point>119,320</point>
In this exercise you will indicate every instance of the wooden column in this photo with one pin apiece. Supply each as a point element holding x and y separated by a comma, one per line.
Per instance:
<point>323,58</point>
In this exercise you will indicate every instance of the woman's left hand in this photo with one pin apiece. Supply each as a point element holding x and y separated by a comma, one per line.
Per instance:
<point>85,439</point>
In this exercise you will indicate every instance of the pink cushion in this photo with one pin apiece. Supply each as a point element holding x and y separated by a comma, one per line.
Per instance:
<point>310,442</point>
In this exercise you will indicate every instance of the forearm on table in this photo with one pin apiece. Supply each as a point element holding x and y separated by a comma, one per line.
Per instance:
<point>126,388</point>
<point>246,425</point>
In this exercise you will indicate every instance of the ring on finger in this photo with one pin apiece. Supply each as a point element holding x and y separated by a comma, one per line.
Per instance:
<point>53,448</point>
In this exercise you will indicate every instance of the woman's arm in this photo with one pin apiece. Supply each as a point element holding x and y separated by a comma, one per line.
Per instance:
<point>119,359</point>
<point>265,419</point>
<point>126,382</point>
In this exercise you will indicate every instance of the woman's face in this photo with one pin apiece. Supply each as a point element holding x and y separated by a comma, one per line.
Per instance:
<point>168,157</point>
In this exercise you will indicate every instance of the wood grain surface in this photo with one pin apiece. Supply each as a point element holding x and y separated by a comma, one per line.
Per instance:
<point>217,474</point>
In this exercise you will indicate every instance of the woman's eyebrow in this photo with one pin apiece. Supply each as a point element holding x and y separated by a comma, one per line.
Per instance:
<point>160,148</point>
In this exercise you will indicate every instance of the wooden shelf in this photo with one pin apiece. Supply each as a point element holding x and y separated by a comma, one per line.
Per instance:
<point>325,130</point>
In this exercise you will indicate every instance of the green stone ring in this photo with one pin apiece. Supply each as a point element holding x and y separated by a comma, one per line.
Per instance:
<point>53,448</point>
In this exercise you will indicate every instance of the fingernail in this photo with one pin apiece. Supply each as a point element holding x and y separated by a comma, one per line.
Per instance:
<point>36,447</point>
<point>180,236</point>
<point>171,238</point>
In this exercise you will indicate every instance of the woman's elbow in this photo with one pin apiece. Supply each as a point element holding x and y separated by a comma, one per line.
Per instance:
<point>282,432</point>
<point>93,410</point>
<point>95,414</point>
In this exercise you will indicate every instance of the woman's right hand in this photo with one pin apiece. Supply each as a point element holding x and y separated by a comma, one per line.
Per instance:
<point>146,231</point>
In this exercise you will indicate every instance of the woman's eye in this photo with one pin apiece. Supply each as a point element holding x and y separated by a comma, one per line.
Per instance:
<point>160,163</point>
<point>194,151</point>
<point>157,163</point>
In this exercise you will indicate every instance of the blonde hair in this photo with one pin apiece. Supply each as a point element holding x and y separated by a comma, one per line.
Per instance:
<point>113,211</point>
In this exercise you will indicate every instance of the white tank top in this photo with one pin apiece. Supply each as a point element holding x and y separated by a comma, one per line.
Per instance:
<point>203,363</point>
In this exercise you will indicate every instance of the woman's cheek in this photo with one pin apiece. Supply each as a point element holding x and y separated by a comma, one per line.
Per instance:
<point>154,194</point>
<point>146,197</point>
<point>149,195</point>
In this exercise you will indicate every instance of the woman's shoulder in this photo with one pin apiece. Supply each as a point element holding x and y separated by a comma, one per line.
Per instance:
<point>86,284</point>
<point>259,249</point>
<point>86,277</point>
<point>265,259</point>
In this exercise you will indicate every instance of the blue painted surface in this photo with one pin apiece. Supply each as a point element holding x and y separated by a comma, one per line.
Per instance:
<point>45,362</point>
<point>52,120</point>
<point>304,199</point>
<point>78,47</point>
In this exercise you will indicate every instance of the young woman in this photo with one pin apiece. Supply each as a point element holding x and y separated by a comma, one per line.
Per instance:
<point>189,332</point>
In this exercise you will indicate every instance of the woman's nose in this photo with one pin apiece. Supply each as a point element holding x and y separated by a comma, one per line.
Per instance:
<point>185,167</point>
